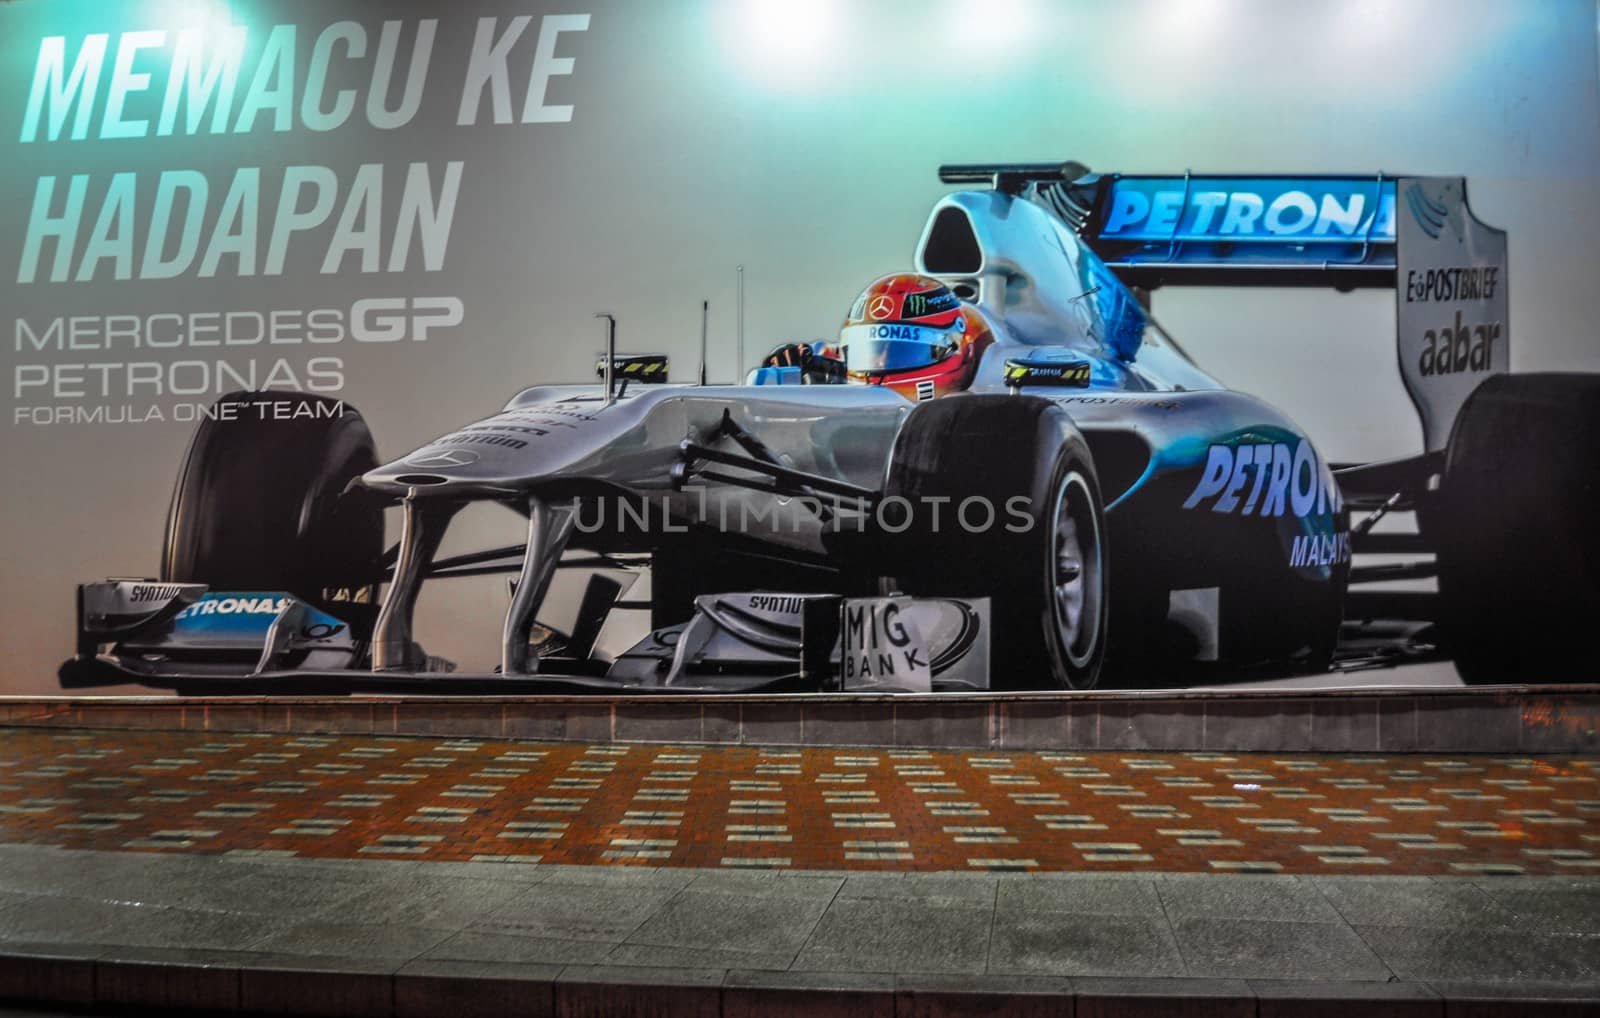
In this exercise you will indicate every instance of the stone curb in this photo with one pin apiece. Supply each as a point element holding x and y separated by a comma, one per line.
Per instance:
<point>277,984</point>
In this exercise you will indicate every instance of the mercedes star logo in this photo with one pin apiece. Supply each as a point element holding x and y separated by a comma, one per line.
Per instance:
<point>444,458</point>
<point>881,307</point>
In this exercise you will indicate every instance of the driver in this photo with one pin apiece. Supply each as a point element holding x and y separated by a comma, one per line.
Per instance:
<point>905,331</point>
<point>910,333</point>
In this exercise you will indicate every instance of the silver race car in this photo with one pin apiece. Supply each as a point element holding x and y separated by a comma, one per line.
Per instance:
<point>1002,475</point>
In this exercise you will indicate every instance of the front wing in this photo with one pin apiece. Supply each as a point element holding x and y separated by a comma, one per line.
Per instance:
<point>190,639</point>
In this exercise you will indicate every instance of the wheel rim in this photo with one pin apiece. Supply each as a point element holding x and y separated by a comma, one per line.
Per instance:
<point>1076,570</point>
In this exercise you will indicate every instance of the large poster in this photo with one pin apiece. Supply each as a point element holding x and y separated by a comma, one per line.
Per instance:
<point>418,209</point>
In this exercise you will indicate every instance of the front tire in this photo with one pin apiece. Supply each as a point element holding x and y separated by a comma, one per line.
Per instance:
<point>260,502</point>
<point>1043,560</point>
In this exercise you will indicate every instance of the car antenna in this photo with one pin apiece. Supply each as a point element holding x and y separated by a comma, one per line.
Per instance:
<point>705,315</point>
<point>738,368</point>
<point>611,353</point>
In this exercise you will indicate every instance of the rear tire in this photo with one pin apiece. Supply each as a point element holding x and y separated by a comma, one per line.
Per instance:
<point>1048,583</point>
<point>259,504</point>
<point>1515,526</point>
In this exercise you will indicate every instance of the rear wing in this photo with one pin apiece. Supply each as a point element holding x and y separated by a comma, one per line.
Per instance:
<point>1415,235</point>
<point>1221,231</point>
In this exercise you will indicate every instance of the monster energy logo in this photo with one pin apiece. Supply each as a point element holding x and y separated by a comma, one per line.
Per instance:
<point>928,302</point>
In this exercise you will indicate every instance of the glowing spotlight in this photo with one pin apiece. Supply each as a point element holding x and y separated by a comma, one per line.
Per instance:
<point>1189,23</point>
<point>994,26</point>
<point>782,39</point>
<point>786,29</point>
<point>207,15</point>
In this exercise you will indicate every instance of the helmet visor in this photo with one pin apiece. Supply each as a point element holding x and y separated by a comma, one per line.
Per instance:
<point>877,349</point>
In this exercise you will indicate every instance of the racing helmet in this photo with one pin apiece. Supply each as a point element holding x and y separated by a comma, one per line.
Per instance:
<point>911,333</point>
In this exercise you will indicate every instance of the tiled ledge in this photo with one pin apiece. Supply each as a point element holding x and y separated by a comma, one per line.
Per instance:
<point>1538,719</point>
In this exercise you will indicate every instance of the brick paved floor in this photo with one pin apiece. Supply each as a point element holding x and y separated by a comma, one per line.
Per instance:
<point>374,797</point>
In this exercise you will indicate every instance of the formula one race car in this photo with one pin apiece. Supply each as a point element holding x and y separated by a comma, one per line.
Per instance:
<point>1002,475</point>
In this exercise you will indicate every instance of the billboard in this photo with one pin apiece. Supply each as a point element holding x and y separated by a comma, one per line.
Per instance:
<point>418,211</point>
